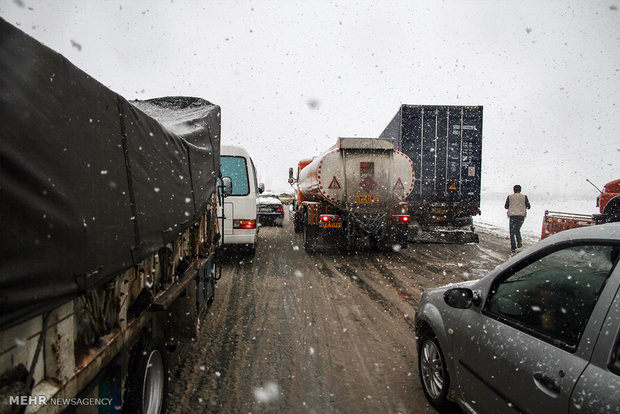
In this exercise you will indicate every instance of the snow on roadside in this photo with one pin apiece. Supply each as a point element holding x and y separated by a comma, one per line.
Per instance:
<point>494,219</point>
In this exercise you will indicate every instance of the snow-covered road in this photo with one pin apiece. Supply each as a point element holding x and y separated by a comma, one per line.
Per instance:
<point>293,332</point>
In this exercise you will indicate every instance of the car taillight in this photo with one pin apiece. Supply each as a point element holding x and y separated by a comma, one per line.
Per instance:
<point>280,209</point>
<point>244,224</point>
<point>329,217</point>
<point>401,219</point>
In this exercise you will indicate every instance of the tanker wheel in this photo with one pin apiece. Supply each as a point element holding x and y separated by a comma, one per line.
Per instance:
<point>310,239</point>
<point>297,222</point>
<point>382,244</point>
<point>147,382</point>
<point>350,235</point>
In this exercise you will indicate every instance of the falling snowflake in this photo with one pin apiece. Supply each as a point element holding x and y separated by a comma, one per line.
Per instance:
<point>267,393</point>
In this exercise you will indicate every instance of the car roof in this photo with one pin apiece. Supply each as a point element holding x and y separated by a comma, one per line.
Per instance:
<point>582,235</point>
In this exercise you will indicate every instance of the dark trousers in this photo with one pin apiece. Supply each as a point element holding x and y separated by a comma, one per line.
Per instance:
<point>515,230</point>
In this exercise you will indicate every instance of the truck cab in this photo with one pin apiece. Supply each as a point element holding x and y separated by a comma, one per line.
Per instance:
<point>608,201</point>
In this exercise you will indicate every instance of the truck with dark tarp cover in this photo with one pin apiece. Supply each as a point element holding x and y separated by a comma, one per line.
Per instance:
<point>445,145</point>
<point>109,234</point>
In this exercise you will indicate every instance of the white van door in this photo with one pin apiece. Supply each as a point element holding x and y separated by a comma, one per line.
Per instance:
<point>229,214</point>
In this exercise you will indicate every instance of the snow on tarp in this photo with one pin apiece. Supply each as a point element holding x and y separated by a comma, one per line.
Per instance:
<point>89,184</point>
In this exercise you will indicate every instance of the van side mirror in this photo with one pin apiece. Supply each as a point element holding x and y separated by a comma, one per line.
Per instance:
<point>291,180</point>
<point>261,188</point>
<point>227,186</point>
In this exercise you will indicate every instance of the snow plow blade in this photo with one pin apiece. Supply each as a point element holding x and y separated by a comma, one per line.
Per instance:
<point>556,221</point>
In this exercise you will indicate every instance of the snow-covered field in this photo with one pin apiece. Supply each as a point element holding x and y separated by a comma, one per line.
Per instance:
<point>494,217</point>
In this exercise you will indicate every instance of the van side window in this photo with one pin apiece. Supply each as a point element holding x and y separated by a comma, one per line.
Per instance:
<point>254,171</point>
<point>237,170</point>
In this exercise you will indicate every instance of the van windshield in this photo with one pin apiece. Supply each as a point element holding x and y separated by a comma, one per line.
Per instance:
<point>236,169</point>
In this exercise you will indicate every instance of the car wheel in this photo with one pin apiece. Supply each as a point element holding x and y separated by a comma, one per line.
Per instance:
<point>251,249</point>
<point>147,382</point>
<point>433,373</point>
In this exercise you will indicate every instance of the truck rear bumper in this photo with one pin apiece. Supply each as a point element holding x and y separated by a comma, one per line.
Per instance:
<point>441,234</point>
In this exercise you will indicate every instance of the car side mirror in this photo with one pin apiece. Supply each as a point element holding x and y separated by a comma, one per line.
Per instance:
<point>227,186</point>
<point>460,298</point>
<point>261,188</point>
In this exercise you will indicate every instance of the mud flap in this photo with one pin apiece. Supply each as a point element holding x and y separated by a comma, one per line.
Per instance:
<point>206,285</point>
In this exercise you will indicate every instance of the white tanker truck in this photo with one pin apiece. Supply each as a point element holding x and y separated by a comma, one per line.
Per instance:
<point>354,194</point>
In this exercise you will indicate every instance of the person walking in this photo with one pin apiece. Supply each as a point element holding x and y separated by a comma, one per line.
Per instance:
<point>517,205</point>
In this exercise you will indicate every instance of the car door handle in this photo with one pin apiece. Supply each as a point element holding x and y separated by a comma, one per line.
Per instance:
<point>547,382</point>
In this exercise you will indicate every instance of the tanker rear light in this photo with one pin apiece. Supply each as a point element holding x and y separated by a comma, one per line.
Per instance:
<point>244,224</point>
<point>401,218</point>
<point>329,217</point>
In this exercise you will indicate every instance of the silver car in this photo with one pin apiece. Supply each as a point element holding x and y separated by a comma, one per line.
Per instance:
<point>539,334</point>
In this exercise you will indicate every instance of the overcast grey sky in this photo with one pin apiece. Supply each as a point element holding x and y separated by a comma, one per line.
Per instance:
<point>293,76</point>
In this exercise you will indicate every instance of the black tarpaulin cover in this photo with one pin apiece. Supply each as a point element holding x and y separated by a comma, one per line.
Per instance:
<point>89,183</point>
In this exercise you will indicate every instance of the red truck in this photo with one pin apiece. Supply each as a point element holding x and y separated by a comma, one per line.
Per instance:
<point>608,203</point>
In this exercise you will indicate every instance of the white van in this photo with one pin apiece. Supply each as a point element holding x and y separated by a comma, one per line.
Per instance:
<point>240,224</point>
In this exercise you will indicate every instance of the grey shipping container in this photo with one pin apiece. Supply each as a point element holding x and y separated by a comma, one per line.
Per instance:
<point>445,145</point>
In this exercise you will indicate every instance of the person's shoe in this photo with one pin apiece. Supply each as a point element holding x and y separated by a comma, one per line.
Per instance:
<point>519,245</point>
<point>512,250</point>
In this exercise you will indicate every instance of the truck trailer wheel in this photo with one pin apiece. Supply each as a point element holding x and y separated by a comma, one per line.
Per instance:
<point>146,389</point>
<point>310,239</point>
<point>297,225</point>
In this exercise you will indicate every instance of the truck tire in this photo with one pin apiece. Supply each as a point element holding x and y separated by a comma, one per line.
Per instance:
<point>297,225</point>
<point>310,239</point>
<point>146,388</point>
<point>612,210</point>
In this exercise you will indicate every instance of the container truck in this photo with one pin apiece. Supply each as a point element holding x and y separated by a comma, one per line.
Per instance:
<point>354,194</point>
<point>608,203</point>
<point>109,234</point>
<point>445,146</point>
